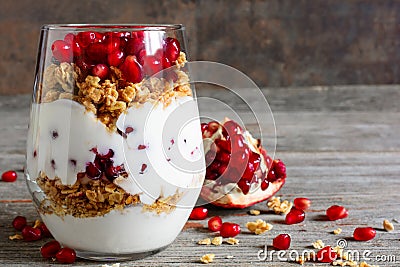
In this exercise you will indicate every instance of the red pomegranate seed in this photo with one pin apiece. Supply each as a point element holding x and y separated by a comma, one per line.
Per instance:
<point>84,65</point>
<point>281,242</point>
<point>115,58</point>
<point>140,56</point>
<point>327,254</point>
<point>336,212</point>
<point>134,45</point>
<point>66,255</point>
<point>86,38</point>
<point>223,156</point>
<point>280,169</point>
<point>9,176</point>
<point>229,229</point>
<point>213,126</point>
<point>96,52</point>
<point>62,51</point>
<point>223,144</point>
<point>264,185</point>
<point>71,40</point>
<point>244,185</point>
<point>364,233</point>
<point>152,65</point>
<point>215,223</point>
<point>252,165</point>
<point>172,49</point>
<point>198,213</point>
<point>19,223</point>
<point>295,216</point>
<point>302,203</point>
<point>101,71</point>
<point>131,69</point>
<point>31,234</point>
<point>111,43</point>
<point>204,126</point>
<point>50,249</point>
<point>93,171</point>
<point>45,231</point>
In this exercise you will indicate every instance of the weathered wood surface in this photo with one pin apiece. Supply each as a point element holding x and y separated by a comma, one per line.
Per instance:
<point>341,146</point>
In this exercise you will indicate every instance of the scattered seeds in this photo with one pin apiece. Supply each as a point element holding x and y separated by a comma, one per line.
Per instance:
<point>258,227</point>
<point>207,258</point>
<point>229,257</point>
<point>388,226</point>
<point>217,241</point>
<point>15,237</point>
<point>254,212</point>
<point>232,241</point>
<point>206,241</point>
<point>337,231</point>
<point>318,244</point>
<point>37,224</point>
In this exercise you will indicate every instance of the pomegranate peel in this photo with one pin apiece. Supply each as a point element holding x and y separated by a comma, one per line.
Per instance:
<point>239,171</point>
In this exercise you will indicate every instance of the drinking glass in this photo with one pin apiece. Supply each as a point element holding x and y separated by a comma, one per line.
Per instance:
<point>114,152</point>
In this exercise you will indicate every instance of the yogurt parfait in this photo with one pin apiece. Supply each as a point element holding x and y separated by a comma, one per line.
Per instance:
<point>114,154</point>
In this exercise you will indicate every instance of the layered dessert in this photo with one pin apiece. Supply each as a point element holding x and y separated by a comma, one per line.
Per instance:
<point>114,154</point>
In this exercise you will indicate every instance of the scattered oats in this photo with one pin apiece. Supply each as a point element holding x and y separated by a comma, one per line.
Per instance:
<point>15,237</point>
<point>217,241</point>
<point>205,241</point>
<point>37,224</point>
<point>114,265</point>
<point>254,212</point>
<point>229,257</point>
<point>318,244</point>
<point>396,221</point>
<point>301,260</point>
<point>278,206</point>
<point>232,241</point>
<point>258,227</point>
<point>207,258</point>
<point>388,226</point>
<point>337,231</point>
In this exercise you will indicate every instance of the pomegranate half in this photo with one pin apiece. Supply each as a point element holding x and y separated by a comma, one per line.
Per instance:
<point>239,172</point>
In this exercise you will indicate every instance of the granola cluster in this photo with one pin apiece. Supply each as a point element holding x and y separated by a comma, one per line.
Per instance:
<point>91,199</point>
<point>110,98</point>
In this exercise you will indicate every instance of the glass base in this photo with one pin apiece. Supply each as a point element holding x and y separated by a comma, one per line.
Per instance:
<point>97,256</point>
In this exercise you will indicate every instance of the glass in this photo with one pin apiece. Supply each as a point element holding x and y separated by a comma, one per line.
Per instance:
<point>114,153</point>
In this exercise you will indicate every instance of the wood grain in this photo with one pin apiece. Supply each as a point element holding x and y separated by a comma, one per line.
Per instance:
<point>341,146</point>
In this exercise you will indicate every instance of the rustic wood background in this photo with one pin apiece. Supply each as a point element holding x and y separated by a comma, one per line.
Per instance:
<point>275,42</point>
<point>341,146</point>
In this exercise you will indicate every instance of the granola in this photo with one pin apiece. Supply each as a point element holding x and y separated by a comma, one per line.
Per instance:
<point>83,199</point>
<point>278,206</point>
<point>207,258</point>
<point>258,227</point>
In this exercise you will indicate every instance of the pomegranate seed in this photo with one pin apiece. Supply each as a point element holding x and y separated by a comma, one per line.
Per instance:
<point>281,242</point>
<point>115,58</point>
<point>84,65</point>
<point>66,255</point>
<point>302,203</point>
<point>140,56</point>
<point>93,171</point>
<point>364,233</point>
<point>9,176</point>
<point>45,231</point>
<point>336,212</point>
<point>264,185</point>
<point>280,169</point>
<point>244,185</point>
<point>295,216</point>
<point>62,51</point>
<point>96,52</point>
<point>223,157</point>
<point>198,213</point>
<point>229,229</point>
<point>134,45</point>
<point>131,69</point>
<point>101,71</point>
<point>223,144</point>
<point>327,254</point>
<point>111,43</point>
<point>50,249</point>
<point>172,49</point>
<point>152,65</point>
<point>86,38</point>
<point>31,234</point>
<point>19,223</point>
<point>204,126</point>
<point>215,223</point>
<point>252,165</point>
<point>213,126</point>
<point>71,40</point>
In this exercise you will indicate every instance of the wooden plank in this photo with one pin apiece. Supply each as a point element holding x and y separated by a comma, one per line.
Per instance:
<point>340,145</point>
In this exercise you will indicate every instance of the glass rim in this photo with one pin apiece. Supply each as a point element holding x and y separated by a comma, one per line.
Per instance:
<point>113,27</point>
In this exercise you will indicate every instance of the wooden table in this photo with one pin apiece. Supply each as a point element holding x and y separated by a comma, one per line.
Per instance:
<point>341,146</point>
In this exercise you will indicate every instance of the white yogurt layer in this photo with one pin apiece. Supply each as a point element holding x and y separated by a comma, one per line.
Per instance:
<point>65,133</point>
